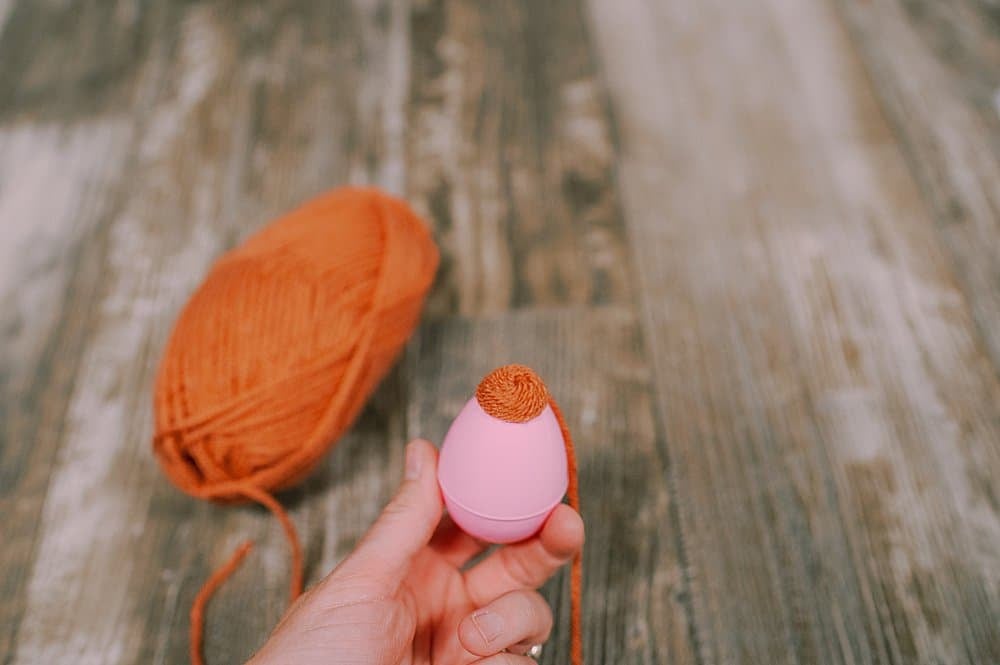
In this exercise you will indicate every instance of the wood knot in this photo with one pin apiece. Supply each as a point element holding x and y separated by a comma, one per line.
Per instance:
<point>513,393</point>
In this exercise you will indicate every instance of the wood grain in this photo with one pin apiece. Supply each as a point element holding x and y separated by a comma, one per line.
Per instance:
<point>831,413</point>
<point>934,68</point>
<point>592,360</point>
<point>56,202</point>
<point>510,156</point>
<point>751,247</point>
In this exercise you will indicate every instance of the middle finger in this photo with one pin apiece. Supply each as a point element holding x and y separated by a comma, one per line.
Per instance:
<point>526,565</point>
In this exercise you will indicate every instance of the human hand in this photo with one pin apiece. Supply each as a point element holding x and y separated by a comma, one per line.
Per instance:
<point>403,598</point>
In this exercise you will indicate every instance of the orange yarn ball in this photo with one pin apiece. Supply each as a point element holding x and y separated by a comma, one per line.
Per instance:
<point>276,353</point>
<point>280,347</point>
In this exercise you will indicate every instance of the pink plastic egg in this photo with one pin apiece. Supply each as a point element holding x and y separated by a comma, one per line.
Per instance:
<point>500,479</point>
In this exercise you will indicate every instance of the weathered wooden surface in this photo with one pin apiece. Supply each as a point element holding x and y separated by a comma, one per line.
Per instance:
<point>935,69</point>
<point>511,156</point>
<point>752,246</point>
<point>830,411</point>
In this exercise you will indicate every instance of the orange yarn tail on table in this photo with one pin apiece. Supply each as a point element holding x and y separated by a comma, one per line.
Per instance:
<point>275,354</point>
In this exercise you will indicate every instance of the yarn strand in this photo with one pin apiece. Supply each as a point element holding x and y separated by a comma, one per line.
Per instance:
<point>576,567</point>
<point>210,586</point>
<point>223,573</point>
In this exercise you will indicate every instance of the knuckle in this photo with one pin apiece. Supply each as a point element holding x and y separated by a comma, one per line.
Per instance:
<point>410,505</point>
<point>517,568</point>
<point>346,586</point>
<point>400,505</point>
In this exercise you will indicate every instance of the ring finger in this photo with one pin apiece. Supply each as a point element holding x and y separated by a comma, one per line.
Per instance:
<point>514,619</point>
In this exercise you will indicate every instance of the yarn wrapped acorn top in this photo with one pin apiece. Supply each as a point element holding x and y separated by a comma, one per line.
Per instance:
<point>278,350</point>
<point>514,393</point>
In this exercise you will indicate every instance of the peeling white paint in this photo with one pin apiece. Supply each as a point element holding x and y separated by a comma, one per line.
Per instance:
<point>199,62</point>
<point>49,177</point>
<point>82,564</point>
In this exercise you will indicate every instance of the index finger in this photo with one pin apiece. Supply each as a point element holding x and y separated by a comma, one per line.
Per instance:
<point>405,526</point>
<point>528,564</point>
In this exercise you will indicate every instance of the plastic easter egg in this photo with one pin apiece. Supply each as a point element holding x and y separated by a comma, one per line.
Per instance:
<point>503,464</point>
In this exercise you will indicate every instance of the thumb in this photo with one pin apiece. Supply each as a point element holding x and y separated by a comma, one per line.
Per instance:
<point>405,525</point>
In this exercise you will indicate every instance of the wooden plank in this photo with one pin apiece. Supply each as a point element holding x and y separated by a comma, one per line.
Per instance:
<point>510,156</point>
<point>59,169</point>
<point>934,68</point>
<point>54,203</point>
<point>831,413</point>
<point>592,360</point>
<point>229,116</point>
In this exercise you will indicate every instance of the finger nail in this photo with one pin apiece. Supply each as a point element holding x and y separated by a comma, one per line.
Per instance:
<point>488,624</point>
<point>413,462</point>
